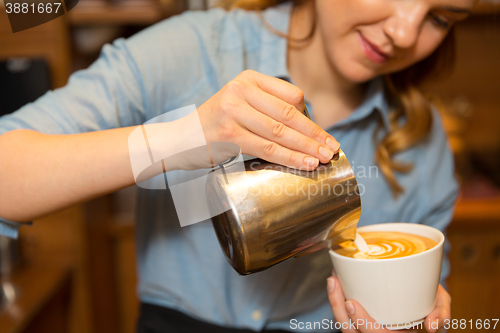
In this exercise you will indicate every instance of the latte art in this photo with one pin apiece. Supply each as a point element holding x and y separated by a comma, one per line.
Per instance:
<point>386,245</point>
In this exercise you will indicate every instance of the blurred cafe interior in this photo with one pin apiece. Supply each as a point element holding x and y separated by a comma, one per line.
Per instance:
<point>74,271</point>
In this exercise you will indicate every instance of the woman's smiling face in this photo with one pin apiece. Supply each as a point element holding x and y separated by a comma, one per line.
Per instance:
<point>367,38</point>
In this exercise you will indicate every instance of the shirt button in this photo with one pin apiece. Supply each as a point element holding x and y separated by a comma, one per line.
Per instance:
<point>257,315</point>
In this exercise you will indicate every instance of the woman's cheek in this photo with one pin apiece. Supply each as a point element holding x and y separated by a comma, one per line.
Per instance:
<point>425,46</point>
<point>429,41</point>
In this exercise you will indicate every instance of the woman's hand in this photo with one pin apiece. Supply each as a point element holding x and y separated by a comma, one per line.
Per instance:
<point>351,312</point>
<point>263,116</point>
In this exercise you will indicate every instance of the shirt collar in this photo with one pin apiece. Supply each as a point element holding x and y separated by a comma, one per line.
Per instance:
<point>374,101</point>
<point>273,63</point>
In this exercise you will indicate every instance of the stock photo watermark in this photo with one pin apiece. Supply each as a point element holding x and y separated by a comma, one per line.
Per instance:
<point>455,324</point>
<point>170,152</point>
<point>322,184</point>
<point>329,324</point>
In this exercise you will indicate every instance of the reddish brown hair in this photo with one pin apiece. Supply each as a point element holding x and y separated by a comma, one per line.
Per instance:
<point>410,115</point>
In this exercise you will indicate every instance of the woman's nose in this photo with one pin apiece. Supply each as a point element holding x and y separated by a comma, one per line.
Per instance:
<point>404,25</point>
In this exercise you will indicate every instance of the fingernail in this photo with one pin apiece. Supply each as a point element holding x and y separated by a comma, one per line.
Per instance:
<point>333,144</point>
<point>350,307</point>
<point>311,161</point>
<point>326,153</point>
<point>330,283</point>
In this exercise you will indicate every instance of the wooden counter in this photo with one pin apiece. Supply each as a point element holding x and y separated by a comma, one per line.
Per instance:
<point>42,290</point>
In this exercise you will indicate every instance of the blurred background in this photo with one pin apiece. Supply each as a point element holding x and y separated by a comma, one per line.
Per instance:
<point>74,271</point>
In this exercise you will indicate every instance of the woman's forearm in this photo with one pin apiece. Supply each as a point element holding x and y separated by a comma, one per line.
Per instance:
<point>41,173</point>
<point>254,113</point>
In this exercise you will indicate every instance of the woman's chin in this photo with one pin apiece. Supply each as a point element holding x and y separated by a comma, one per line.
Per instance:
<point>356,72</point>
<point>361,75</point>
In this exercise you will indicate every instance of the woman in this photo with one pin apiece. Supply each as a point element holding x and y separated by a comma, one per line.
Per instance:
<point>355,61</point>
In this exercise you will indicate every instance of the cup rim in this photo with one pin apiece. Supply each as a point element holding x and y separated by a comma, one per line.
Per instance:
<point>435,248</point>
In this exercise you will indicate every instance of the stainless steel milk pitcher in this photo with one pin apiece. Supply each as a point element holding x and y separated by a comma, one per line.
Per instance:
<point>282,212</point>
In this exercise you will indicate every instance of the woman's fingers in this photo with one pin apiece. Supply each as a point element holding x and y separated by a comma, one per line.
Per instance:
<point>254,145</point>
<point>289,115</point>
<point>337,302</point>
<point>350,315</point>
<point>436,319</point>
<point>282,89</point>
<point>262,115</point>
<point>275,131</point>
<point>365,323</point>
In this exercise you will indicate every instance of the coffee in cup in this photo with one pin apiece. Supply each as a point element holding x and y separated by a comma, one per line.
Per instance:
<point>386,245</point>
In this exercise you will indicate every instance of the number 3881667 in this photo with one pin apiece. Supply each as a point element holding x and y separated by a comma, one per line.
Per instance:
<point>485,324</point>
<point>40,8</point>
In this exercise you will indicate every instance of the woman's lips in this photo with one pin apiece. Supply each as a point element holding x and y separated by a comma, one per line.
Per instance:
<point>371,51</point>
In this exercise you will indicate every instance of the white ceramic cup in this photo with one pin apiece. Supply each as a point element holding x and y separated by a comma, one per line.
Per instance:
<point>397,293</point>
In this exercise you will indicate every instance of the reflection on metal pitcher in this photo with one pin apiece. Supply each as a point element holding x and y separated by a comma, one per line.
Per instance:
<point>285,212</point>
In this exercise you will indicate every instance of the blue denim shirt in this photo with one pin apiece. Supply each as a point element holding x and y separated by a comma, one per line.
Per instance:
<point>185,60</point>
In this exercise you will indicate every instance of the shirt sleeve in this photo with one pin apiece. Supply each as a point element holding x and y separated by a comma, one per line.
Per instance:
<point>439,185</point>
<point>106,95</point>
<point>133,80</point>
